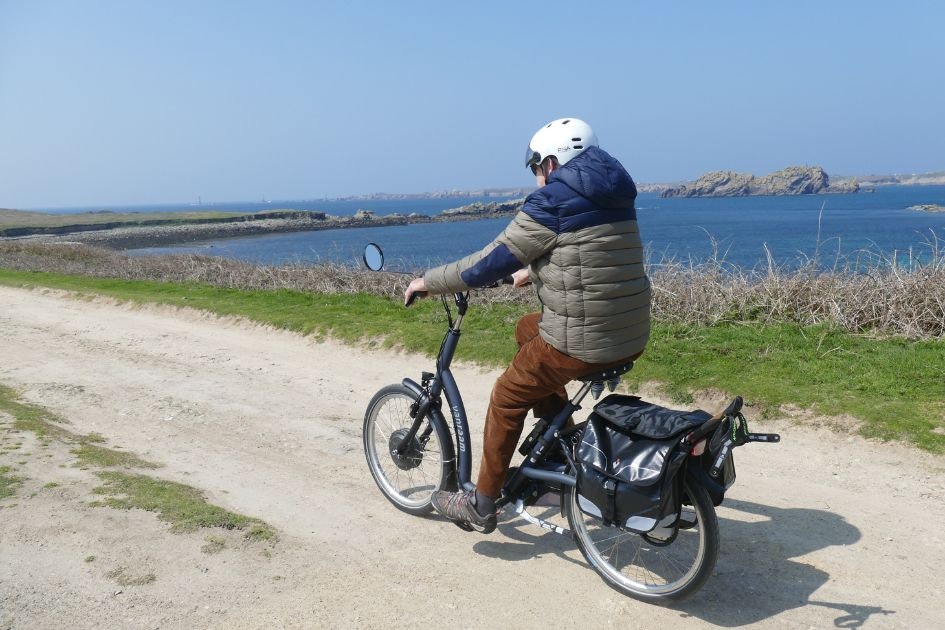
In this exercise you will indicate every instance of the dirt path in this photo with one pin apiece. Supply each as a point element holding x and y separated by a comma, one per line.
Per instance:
<point>821,530</point>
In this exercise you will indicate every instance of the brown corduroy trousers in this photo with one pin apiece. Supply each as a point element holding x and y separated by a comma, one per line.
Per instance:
<point>535,380</point>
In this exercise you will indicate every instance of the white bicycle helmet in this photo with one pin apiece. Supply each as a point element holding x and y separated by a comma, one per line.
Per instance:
<point>565,138</point>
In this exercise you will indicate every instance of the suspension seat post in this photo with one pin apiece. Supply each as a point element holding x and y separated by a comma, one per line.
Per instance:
<point>581,394</point>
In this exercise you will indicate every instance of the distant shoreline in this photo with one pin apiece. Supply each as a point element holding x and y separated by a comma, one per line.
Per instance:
<point>140,230</point>
<point>176,233</point>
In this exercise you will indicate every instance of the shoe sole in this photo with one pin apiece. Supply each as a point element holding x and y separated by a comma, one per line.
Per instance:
<point>468,526</point>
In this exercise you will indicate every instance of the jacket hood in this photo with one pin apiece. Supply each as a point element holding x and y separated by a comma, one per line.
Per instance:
<point>599,177</point>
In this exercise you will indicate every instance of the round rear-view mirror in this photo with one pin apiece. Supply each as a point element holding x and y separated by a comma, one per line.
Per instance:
<point>373,257</point>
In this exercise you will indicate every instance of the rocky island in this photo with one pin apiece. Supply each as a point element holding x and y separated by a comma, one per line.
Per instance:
<point>927,207</point>
<point>793,180</point>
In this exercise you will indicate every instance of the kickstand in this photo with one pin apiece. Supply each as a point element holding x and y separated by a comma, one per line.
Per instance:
<point>519,508</point>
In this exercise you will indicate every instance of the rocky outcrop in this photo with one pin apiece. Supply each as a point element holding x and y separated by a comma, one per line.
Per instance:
<point>480,210</point>
<point>794,180</point>
<point>927,207</point>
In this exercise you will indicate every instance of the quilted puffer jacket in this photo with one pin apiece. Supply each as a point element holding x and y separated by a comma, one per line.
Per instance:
<point>578,235</point>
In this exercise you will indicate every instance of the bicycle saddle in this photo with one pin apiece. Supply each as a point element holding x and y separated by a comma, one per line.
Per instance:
<point>608,374</point>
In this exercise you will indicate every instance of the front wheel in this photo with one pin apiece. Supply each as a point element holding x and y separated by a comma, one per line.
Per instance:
<point>655,567</point>
<point>408,474</point>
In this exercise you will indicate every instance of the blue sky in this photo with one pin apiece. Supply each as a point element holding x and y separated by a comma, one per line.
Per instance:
<point>105,103</point>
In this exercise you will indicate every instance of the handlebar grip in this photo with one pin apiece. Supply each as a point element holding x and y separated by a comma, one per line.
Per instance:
<point>414,296</point>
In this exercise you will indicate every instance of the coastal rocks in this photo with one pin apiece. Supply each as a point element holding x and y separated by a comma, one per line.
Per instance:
<point>793,180</point>
<point>927,207</point>
<point>714,184</point>
<point>362,215</point>
<point>479,210</point>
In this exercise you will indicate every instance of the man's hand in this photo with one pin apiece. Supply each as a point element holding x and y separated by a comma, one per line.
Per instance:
<point>521,278</point>
<point>416,288</point>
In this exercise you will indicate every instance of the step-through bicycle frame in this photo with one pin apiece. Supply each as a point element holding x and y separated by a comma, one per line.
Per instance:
<point>428,394</point>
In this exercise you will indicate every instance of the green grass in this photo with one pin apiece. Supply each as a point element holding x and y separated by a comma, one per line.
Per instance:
<point>344,316</point>
<point>8,483</point>
<point>45,424</point>
<point>896,388</point>
<point>184,507</point>
<point>26,417</point>
<point>102,457</point>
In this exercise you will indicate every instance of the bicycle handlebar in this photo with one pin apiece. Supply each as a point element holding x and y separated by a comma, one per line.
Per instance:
<point>423,294</point>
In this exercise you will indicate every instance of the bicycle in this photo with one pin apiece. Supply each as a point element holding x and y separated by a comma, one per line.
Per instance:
<point>411,453</point>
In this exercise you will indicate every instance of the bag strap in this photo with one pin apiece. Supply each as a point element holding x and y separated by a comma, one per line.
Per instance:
<point>610,506</point>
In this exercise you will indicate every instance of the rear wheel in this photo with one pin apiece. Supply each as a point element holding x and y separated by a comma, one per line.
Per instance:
<point>407,477</point>
<point>665,565</point>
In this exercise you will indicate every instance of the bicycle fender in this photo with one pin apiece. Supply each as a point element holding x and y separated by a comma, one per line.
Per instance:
<point>412,385</point>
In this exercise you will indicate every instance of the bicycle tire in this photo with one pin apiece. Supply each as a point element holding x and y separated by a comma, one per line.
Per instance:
<point>643,570</point>
<point>409,480</point>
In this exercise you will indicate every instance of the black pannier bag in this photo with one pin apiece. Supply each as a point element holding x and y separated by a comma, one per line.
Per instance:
<point>726,475</point>
<point>628,460</point>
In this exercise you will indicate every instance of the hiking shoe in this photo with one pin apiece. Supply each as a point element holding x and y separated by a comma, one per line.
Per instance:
<point>460,507</point>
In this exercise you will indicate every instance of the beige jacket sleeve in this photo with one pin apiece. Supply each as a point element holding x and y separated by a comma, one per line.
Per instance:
<point>523,241</point>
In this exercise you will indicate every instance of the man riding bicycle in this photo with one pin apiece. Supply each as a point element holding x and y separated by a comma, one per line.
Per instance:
<point>576,238</point>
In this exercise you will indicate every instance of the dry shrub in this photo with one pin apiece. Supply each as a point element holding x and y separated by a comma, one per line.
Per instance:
<point>881,297</point>
<point>85,260</point>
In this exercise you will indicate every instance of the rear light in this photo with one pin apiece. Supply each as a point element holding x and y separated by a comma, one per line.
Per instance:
<point>699,448</point>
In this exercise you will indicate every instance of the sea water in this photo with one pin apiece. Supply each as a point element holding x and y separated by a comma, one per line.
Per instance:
<point>852,230</point>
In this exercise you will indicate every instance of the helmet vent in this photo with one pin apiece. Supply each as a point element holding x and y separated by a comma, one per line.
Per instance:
<point>575,139</point>
<point>578,146</point>
<point>564,122</point>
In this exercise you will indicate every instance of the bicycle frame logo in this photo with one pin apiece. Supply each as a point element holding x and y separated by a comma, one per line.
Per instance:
<point>458,412</point>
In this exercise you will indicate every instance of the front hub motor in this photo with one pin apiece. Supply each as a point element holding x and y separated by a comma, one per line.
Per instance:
<point>412,455</point>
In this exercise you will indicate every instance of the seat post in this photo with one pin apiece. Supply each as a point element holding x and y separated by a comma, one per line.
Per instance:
<point>594,382</point>
<point>582,393</point>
